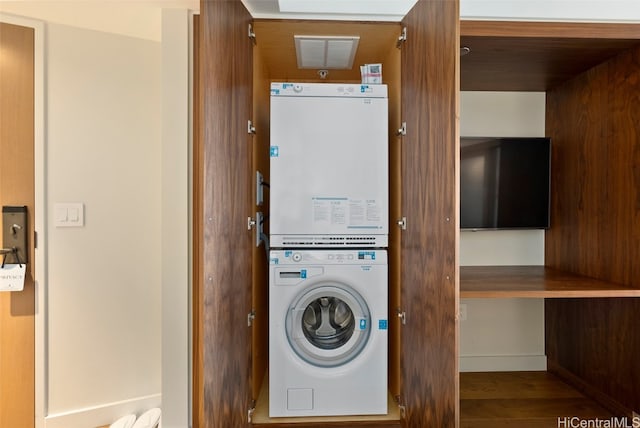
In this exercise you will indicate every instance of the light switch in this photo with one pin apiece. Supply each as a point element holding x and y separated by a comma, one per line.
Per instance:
<point>69,214</point>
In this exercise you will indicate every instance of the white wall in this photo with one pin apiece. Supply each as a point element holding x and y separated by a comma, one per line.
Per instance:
<point>176,223</point>
<point>502,334</point>
<point>103,149</point>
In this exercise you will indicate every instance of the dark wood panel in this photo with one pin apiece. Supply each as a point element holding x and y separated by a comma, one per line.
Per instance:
<point>597,342</point>
<point>534,282</point>
<point>223,397</point>
<point>429,202</point>
<point>593,122</point>
<point>537,56</point>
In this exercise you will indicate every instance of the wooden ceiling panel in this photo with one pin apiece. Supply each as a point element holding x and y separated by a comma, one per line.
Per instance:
<point>536,56</point>
<point>275,44</point>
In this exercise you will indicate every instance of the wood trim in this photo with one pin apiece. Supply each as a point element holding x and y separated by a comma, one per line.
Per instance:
<point>534,282</point>
<point>17,187</point>
<point>223,395</point>
<point>524,29</point>
<point>429,266</point>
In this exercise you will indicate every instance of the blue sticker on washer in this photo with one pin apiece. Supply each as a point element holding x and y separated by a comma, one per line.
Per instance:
<point>366,255</point>
<point>363,324</point>
<point>288,253</point>
<point>274,260</point>
<point>382,324</point>
<point>274,152</point>
<point>303,273</point>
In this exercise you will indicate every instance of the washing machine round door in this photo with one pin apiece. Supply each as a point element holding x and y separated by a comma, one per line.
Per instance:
<point>328,325</point>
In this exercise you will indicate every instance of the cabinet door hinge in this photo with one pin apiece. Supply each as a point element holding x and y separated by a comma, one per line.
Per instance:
<point>402,315</point>
<point>402,223</point>
<point>401,407</point>
<point>250,128</point>
<point>250,317</point>
<point>402,131</point>
<point>251,34</point>
<point>402,38</point>
<point>251,411</point>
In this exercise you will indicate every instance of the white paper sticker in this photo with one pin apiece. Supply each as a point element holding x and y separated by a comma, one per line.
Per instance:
<point>12,277</point>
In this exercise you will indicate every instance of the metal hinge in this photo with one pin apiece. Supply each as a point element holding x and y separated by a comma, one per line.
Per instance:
<point>250,317</point>
<point>402,223</point>
<point>402,38</point>
<point>251,223</point>
<point>402,315</point>
<point>250,128</point>
<point>35,239</point>
<point>251,34</point>
<point>251,411</point>
<point>403,129</point>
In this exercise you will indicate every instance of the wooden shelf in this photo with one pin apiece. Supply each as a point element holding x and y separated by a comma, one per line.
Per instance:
<point>534,282</point>
<point>536,56</point>
<point>522,399</point>
<point>261,416</point>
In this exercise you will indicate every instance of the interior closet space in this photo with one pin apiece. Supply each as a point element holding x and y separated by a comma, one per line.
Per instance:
<point>239,57</point>
<point>590,73</point>
<point>274,60</point>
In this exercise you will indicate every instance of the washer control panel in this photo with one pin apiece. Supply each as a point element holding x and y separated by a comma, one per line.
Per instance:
<point>279,257</point>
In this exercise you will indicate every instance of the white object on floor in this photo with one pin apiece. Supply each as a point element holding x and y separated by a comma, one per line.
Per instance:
<point>148,419</point>
<point>124,422</point>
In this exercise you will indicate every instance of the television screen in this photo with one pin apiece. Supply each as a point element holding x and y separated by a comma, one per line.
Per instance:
<point>504,183</point>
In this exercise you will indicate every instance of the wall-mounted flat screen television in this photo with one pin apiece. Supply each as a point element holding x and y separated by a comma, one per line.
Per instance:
<point>504,183</point>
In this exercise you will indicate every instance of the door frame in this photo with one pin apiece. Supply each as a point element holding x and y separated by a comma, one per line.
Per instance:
<point>40,220</point>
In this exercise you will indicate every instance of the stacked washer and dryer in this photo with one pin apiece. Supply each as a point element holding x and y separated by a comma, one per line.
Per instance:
<point>328,281</point>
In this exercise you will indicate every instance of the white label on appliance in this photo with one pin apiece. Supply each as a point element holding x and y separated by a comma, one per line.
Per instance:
<point>352,213</point>
<point>364,213</point>
<point>329,210</point>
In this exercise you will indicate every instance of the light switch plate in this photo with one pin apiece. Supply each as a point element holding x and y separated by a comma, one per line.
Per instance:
<point>69,214</point>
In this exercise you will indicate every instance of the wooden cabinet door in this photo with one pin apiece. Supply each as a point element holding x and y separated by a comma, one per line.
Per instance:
<point>429,262</point>
<point>222,204</point>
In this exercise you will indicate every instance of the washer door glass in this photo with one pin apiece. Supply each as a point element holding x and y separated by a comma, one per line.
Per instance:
<point>328,325</point>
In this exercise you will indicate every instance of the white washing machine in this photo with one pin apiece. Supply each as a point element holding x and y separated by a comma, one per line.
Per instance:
<point>328,332</point>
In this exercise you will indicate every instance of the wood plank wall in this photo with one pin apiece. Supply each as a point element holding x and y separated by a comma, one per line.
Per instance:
<point>429,274</point>
<point>223,294</point>
<point>594,123</point>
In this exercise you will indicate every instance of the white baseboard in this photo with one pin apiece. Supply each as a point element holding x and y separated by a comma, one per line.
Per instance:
<point>104,414</point>
<point>503,363</point>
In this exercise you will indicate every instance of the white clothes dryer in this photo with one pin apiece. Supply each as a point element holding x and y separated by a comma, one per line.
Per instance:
<point>328,332</point>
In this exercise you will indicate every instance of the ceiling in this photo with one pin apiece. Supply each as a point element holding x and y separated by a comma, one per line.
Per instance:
<point>513,56</point>
<point>142,18</point>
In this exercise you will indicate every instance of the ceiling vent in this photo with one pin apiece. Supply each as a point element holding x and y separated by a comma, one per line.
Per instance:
<point>326,52</point>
